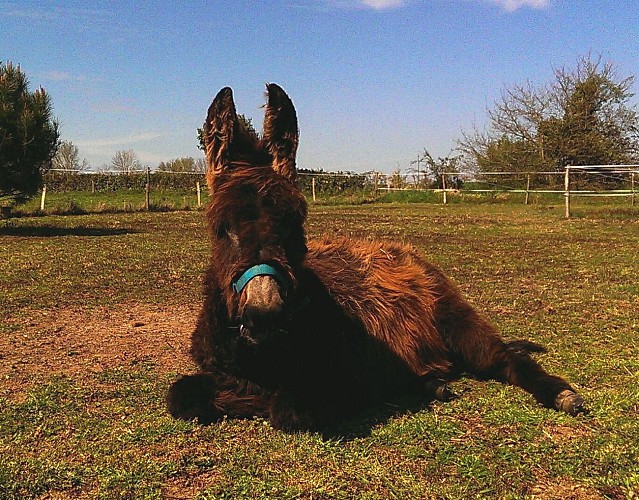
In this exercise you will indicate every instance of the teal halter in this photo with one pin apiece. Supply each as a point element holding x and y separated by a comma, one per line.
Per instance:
<point>260,270</point>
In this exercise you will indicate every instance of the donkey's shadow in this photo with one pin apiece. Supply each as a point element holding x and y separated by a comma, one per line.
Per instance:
<point>362,424</point>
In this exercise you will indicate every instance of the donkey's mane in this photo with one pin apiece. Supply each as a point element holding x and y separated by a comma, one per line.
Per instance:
<point>248,183</point>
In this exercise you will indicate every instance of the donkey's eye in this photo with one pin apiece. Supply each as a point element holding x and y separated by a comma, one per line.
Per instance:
<point>221,231</point>
<point>248,215</point>
<point>225,231</point>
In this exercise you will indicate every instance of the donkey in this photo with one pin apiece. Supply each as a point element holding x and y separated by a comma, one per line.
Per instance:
<point>305,333</point>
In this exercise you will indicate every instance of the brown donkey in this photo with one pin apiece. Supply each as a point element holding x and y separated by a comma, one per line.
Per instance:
<point>306,333</point>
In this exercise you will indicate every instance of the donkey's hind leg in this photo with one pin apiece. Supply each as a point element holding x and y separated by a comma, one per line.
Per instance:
<point>481,352</point>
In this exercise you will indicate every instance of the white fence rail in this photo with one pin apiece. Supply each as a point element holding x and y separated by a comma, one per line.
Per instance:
<point>574,181</point>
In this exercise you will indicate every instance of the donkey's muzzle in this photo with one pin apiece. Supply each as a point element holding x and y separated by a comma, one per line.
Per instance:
<point>263,308</point>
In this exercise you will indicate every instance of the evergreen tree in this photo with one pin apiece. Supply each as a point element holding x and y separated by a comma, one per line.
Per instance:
<point>28,135</point>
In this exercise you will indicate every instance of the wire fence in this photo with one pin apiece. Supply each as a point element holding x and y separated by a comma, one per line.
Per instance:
<point>146,189</point>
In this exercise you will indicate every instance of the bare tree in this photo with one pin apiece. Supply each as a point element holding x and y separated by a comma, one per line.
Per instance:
<point>435,168</point>
<point>200,165</point>
<point>582,117</point>
<point>186,164</point>
<point>125,162</point>
<point>68,158</point>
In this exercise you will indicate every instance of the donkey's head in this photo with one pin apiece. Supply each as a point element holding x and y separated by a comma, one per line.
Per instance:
<point>256,212</point>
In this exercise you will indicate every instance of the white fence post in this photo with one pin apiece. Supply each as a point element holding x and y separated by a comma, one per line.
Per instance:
<point>567,192</point>
<point>44,195</point>
<point>147,197</point>
<point>444,188</point>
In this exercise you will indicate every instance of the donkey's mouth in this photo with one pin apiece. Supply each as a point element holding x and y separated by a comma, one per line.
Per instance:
<point>245,333</point>
<point>256,337</point>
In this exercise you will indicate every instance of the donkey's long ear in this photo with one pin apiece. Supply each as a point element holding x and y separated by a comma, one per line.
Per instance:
<point>218,133</point>
<point>280,130</point>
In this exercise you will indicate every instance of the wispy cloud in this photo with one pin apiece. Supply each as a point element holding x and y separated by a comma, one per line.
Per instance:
<point>113,107</point>
<point>14,10</point>
<point>79,18</point>
<point>382,4</point>
<point>119,141</point>
<point>55,75</point>
<point>378,5</point>
<point>513,5</point>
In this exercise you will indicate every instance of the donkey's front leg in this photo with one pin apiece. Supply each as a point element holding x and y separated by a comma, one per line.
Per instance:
<point>208,397</point>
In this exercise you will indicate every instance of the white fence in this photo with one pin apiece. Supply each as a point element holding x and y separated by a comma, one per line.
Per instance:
<point>574,181</point>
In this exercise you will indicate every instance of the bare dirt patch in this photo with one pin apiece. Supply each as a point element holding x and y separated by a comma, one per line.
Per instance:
<point>562,488</point>
<point>82,342</point>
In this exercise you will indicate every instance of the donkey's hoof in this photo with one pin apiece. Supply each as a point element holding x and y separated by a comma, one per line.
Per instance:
<point>443,393</point>
<point>439,390</point>
<point>570,402</point>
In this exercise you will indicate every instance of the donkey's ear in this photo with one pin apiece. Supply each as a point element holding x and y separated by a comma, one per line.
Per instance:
<point>280,130</point>
<point>218,133</point>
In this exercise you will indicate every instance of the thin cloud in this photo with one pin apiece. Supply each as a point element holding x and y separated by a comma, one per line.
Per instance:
<point>119,141</point>
<point>56,76</point>
<point>63,76</point>
<point>378,5</point>
<point>513,5</point>
<point>80,18</point>
<point>114,107</point>
<point>26,13</point>
<point>382,4</point>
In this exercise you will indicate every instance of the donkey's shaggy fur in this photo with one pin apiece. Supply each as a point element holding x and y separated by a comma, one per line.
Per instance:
<point>337,325</point>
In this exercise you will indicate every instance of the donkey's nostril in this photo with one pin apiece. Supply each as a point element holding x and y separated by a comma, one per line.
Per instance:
<point>260,317</point>
<point>263,305</point>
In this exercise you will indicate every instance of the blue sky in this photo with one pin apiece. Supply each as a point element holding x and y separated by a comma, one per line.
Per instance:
<point>374,81</point>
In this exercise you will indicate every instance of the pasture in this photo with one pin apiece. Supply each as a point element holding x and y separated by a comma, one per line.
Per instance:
<point>96,312</point>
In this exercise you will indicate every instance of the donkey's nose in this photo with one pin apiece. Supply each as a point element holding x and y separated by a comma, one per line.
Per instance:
<point>258,319</point>
<point>264,304</point>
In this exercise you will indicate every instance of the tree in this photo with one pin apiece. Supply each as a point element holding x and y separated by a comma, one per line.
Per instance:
<point>435,169</point>
<point>68,158</point>
<point>186,164</point>
<point>583,117</point>
<point>28,135</point>
<point>125,162</point>
<point>200,165</point>
<point>396,180</point>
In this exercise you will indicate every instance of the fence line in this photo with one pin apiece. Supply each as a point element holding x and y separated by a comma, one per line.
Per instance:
<point>582,181</point>
<point>599,169</point>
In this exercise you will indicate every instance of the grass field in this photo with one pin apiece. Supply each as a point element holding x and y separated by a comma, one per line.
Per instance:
<point>125,200</point>
<point>96,312</point>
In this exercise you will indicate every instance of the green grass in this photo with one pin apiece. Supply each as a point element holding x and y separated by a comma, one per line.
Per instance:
<point>81,202</point>
<point>568,284</point>
<point>84,202</point>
